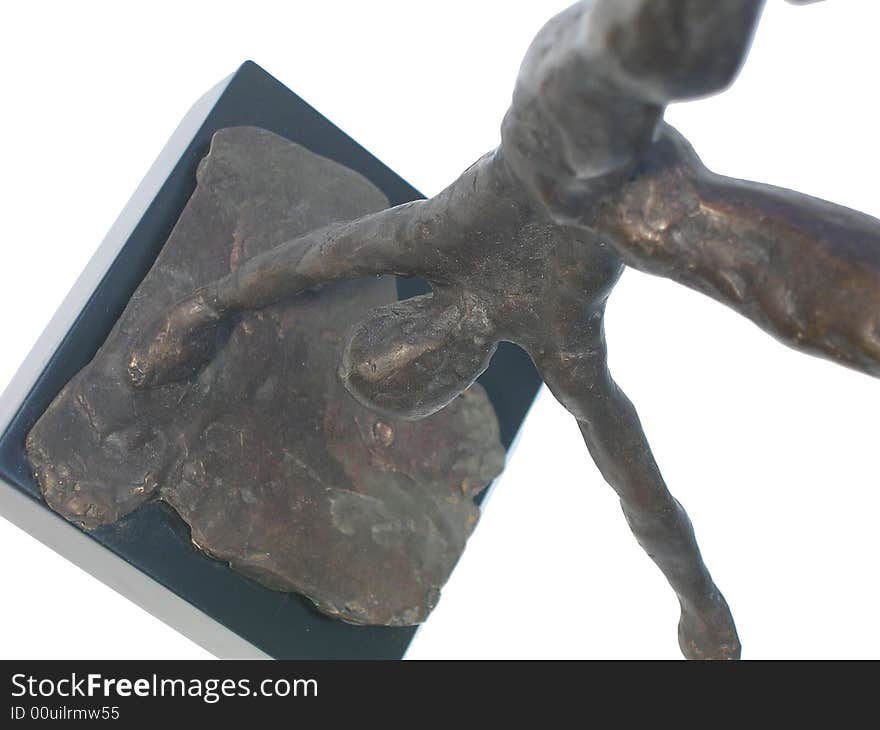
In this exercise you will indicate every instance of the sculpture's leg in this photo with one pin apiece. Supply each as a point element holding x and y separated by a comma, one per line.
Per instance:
<point>614,437</point>
<point>805,270</point>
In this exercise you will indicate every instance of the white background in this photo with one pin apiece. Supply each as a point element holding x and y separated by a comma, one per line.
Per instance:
<point>774,454</point>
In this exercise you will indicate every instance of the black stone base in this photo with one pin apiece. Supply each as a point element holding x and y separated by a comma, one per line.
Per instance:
<point>153,538</point>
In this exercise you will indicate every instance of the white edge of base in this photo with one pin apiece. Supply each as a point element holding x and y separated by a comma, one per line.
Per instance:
<point>47,527</point>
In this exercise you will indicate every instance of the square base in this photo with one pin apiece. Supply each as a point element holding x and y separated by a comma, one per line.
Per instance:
<point>202,598</point>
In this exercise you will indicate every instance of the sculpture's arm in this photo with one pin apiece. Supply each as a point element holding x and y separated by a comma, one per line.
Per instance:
<point>396,240</point>
<point>390,241</point>
<point>413,239</point>
<point>593,86</point>
<point>806,271</point>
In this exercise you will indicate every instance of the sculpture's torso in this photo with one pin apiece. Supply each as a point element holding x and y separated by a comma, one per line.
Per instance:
<point>522,268</point>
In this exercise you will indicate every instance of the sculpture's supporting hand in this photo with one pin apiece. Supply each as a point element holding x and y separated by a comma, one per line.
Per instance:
<point>185,337</point>
<point>176,345</point>
<point>806,271</point>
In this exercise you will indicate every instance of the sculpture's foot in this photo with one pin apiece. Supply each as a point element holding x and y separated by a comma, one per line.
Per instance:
<point>708,631</point>
<point>176,345</point>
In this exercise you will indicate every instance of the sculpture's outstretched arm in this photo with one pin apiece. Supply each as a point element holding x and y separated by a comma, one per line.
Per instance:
<point>806,271</point>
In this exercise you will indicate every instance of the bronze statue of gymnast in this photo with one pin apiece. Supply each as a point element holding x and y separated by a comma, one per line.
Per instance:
<point>528,243</point>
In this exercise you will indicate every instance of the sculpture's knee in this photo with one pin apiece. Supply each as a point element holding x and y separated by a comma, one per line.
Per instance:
<point>411,358</point>
<point>580,382</point>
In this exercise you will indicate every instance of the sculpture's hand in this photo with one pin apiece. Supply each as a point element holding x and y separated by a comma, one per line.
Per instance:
<point>178,343</point>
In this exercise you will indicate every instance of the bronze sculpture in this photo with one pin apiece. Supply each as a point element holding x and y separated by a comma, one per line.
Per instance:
<point>528,243</point>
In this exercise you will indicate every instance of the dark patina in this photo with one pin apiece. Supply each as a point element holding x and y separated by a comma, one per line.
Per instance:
<point>528,243</point>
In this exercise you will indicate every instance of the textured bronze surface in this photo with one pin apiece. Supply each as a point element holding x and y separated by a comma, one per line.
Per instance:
<point>527,244</point>
<point>277,470</point>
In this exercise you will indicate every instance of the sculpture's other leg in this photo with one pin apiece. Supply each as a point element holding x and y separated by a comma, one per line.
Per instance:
<point>616,441</point>
<point>805,270</point>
